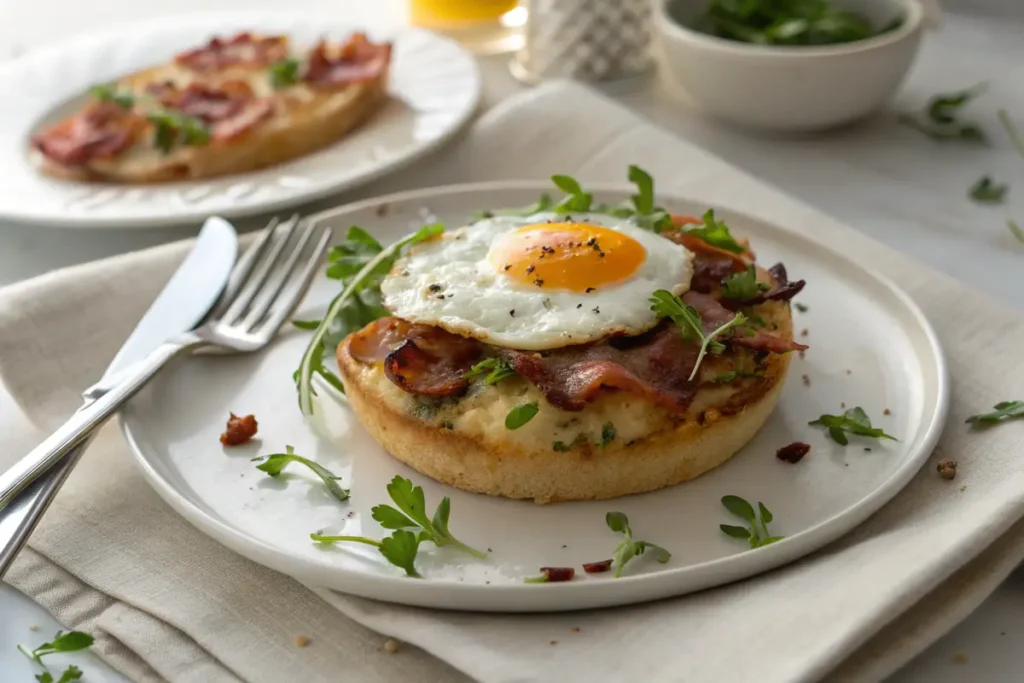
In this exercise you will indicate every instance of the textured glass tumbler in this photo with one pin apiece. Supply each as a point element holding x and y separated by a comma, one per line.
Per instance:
<point>587,40</point>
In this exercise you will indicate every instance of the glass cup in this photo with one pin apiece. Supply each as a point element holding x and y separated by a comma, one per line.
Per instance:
<point>482,26</point>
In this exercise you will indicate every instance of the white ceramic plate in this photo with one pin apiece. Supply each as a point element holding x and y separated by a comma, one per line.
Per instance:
<point>870,346</point>
<point>434,90</point>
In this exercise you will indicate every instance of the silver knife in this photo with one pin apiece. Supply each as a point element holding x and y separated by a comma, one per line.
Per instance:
<point>181,305</point>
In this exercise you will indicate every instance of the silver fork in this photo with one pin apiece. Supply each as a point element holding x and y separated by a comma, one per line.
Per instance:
<point>263,291</point>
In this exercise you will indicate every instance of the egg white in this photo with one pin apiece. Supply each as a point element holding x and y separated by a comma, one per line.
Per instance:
<point>451,283</point>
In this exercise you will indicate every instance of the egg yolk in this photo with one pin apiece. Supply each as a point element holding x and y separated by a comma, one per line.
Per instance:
<point>578,257</point>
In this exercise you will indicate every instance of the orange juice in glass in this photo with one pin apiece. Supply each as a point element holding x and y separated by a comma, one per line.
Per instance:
<point>483,26</point>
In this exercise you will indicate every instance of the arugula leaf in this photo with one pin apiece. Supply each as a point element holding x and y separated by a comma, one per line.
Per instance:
<point>786,22</point>
<point>716,233</point>
<point>273,464</point>
<point>109,93</point>
<point>643,200</point>
<point>628,549</point>
<point>939,118</point>
<point>756,533</point>
<point>520,415</point>
<point>986,191</point>
<point>855,421</point>
<point>171,128</point>
<point>495,368</point>
<point>743,285</point>
<point>343,311</point>
<point>576,201</point>
<point>1002,411</point>
<point>545,203</point>
<point>665,304</point>
<point>284,73</point>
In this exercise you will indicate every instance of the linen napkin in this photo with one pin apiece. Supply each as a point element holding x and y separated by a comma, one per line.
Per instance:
<point>170,604</point>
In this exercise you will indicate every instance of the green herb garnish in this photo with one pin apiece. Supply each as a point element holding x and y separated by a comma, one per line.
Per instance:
<point>273,464</point>
<point>629,548</point>
<point>577,200</point>
<point>665,304</point>
<point>803,308</point>
<point>72,641</point>
<point>786,22</point>
<point>358,301</point>
<point>110,93</point>
<point>757,533</point>
<point>732,375</point>
<point>545,203</point>
<point>608,433</point>
<point>172,128</point>
<point>987,192</point>
<point>562,447</point>
<point>520,415</point>
<point>1015,229</point>
<point>716,233</point>
<point>644,212</point>
<point>410,513</point>
<point>743,285</point>
<point>939,119</point>
<point>1002,411</point>
<point>855,421</point>
<point>495,368</point>
<point>284,73</point>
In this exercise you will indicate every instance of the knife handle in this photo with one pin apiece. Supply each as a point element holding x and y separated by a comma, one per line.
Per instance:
<point>20,517</point>
<point>87,419</point>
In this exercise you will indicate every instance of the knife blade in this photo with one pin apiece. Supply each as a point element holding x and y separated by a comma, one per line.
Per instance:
<point>183,302</point>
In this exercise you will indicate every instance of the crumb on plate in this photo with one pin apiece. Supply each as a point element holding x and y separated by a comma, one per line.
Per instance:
<point>238,430</point>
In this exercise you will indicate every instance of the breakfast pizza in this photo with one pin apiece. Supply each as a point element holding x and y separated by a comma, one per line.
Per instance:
<point>232,105</point>
<point>567,351</point>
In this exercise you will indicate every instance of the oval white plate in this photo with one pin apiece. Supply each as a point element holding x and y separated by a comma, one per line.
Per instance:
<point>870,346</point>
<point>434,87</point>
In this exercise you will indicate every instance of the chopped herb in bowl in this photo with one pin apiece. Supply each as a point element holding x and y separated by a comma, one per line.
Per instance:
<point>787,22</point>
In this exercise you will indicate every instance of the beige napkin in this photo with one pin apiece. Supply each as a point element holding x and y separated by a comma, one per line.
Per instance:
<point>170,604</point>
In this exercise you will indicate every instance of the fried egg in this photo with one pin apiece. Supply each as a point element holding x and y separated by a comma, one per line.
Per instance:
<point>538,282</point>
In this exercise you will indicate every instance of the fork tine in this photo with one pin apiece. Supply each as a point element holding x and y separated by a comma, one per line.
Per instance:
<point>272,289</point>
<point>241,271</point>
<point>256,278</point>
<point>286,303</point>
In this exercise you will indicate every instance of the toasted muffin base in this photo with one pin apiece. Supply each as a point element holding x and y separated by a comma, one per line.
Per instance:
<point>464,443</point>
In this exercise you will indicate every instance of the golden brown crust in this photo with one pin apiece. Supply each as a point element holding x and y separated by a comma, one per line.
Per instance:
<point>452,446</point>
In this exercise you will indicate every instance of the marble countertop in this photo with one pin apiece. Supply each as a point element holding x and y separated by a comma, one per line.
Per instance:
<point>885,179</point>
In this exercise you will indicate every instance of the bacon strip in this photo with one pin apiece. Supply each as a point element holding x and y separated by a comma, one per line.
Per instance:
<point>783,290</point>
<point>713,315</point>
<point>597,567</point>
<point>230,109</point>
<point>243,49</point>
<point>357,61</point>
<point>656,365</point>
<point>100,130</point>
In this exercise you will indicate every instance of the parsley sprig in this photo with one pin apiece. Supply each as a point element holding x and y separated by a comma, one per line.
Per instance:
<point>628,549</point>
<point>273,465</point>
<point>756,532</point>
<point>939,119</point>
<point>72,641</point>
<point>665,304</point>
<point>495,368</point>
<point>743,285</point>
<point>356,305</point>
<point>409,512</point>
<point>853,421</point>
<point>1001,412</point>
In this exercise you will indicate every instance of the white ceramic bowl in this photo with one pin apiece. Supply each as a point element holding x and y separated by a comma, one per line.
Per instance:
<point>790,88</point>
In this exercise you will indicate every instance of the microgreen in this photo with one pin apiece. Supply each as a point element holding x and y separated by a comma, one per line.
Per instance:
<point>284,73</point>
<point>786,22</point>
<point>757,532</point>
<point>855,421</point>
<point>520,415</point>
<point>628,549</point>
<point>576,200</point>
<point>644,212</point>
<point>987,192</point>
<point>716,233</point>
<point>743,285</point>
<point>361,266</point>
<point>1001,412</point>
<point>495,368</point>
<point>172,128</point>
<point>273,464</point>
<point>665,304</point>
<point>410,513</point>
<point>110,93</point>
<point>71,641</point>
<point>939,119</point>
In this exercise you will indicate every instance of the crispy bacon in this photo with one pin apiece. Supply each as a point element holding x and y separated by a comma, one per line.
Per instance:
<point>656,365</point>
<point>252,113</point>
<point>793,453</point>
<point>556,574</point>
<point>783,290</point>
<point>239,430</point>
<point>230,108</point>
<point>597,567</point>
<point>100,130</point>
<point>766,341</point>
<point>357,61</point>
<point>243,49</point>
<point>713,315</point>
